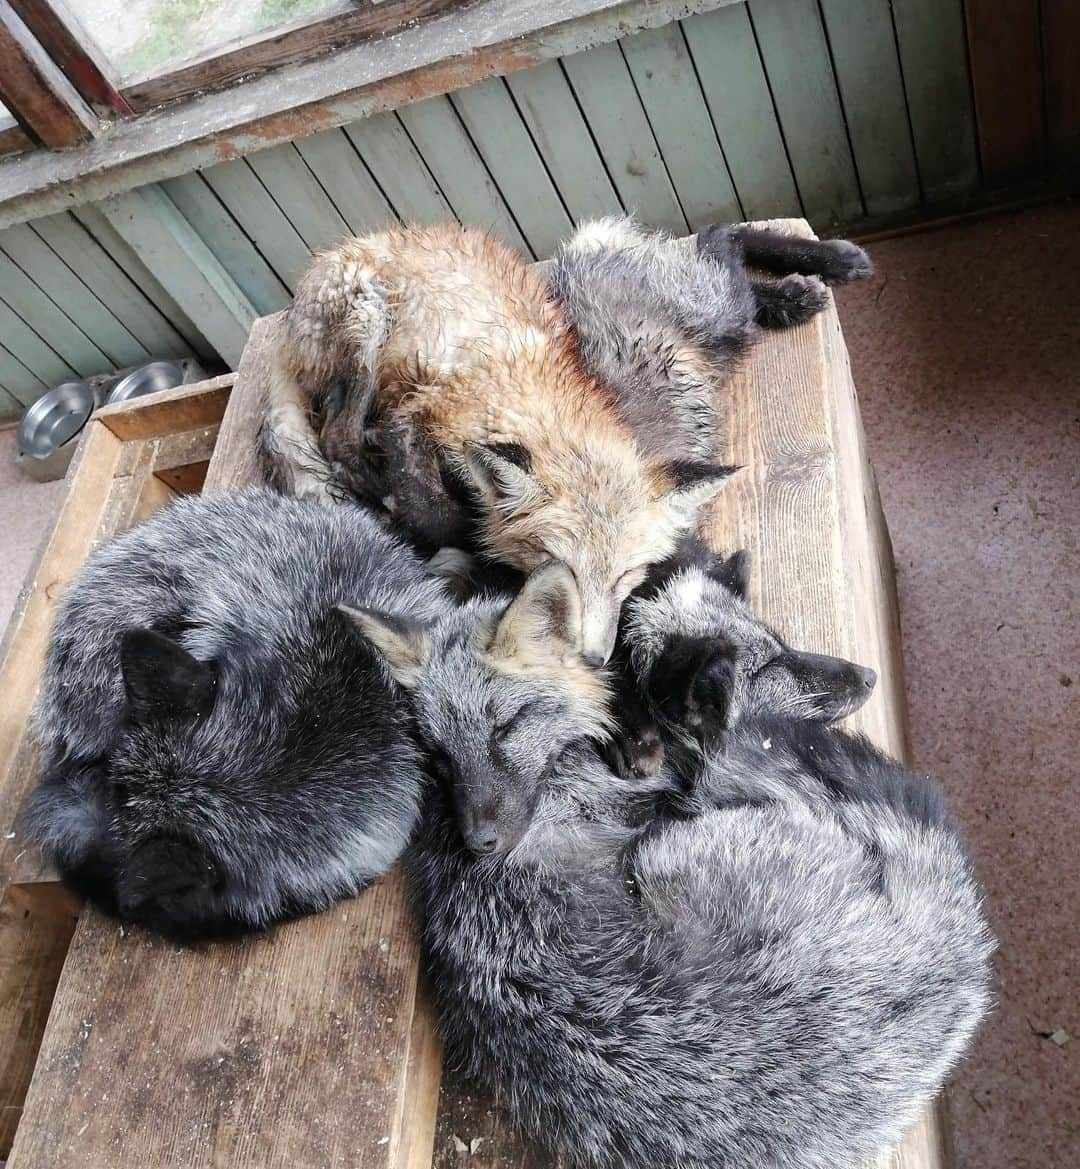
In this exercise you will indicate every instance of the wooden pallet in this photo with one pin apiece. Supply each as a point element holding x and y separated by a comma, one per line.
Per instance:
<point>314,1046</point>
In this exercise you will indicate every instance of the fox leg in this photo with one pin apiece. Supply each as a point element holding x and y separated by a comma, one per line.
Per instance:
<point>836,261</point>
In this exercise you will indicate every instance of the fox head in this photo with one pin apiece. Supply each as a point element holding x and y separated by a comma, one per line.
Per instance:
<point>499,691</point>
<point>598,511</point>
<point>706,661</point>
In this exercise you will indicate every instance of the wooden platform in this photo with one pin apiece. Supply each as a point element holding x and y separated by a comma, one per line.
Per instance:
<point>314,1046</point>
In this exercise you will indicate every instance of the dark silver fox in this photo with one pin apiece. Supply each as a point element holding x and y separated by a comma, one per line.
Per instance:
<point>777,973</point>
<point>220,747</point>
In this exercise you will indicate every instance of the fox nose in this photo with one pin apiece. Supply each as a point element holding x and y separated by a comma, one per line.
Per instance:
<point>482,840</point>
<point>868,677</point>
<point>594,659</point>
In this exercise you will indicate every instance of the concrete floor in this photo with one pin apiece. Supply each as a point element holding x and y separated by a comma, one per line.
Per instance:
<point>966,350</point>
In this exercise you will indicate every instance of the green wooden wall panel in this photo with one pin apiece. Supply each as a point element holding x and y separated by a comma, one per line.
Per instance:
<point>109,282</point>
<point>26,345</point>
<point>20,384</point>
<point>199,205</point>
<point>867,67</point>
<point>23,245</point>
<point>796,57</point>
<point>193,277</point>
<point>733,82</point>
<point>664,76</point>
<point>10,406</point>
<point>297,192</point>
<point>489,115</point>
<point>262,220</point>
<point>399,170</point>
<point>605,91</point>
<point>933,54</point>
<point>333,161</point>
<point>24,297</point>
<point>437,132</point>
<point>177,333</point>
<point>551,112</point>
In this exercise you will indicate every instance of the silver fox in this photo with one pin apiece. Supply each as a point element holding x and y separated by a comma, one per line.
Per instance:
<point>778,976</point>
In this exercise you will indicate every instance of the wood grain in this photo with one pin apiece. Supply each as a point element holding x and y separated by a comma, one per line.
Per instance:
<point>1061,63</point>
<point>34,89</point>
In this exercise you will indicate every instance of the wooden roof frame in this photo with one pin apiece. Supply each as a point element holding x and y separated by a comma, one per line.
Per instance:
<point>437,55</point>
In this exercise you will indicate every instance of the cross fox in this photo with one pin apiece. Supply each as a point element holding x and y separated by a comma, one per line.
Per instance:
<point>457,393</point>
<point>220,747</point>
<point>781,974</point>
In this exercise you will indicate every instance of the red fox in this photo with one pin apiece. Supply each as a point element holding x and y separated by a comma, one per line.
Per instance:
<point>450,335</point>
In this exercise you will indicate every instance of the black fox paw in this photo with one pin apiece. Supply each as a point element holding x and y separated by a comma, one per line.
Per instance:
<point>636,754</point>
<point>844,262</point>
<point>789,301</point>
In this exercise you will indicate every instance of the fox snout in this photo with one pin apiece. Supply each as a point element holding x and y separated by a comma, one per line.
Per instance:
<point>599,626</point>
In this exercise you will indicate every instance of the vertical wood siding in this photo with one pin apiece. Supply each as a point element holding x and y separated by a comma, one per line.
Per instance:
<point>834,109</point>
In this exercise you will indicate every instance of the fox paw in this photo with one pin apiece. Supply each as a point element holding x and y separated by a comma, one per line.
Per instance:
<point>844,262</point>
<point>789,301</point>
<point>637,754</point>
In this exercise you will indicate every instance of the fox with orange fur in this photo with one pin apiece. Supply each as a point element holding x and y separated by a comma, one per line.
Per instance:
<point>448,339</point>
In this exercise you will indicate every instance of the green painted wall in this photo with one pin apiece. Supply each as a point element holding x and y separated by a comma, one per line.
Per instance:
<point>838,110</point>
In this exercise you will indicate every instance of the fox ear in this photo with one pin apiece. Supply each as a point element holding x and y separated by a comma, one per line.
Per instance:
<point>162,678</point>
<point>733,573</point>
<point>695,485</point>
<point>545,615</point>
<point>502,473</point>
<point>404,644</point>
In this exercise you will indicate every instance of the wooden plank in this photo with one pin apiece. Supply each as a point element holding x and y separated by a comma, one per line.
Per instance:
<point>10,406</point>
<point>263,221</point>
<point>26,299</point>
<point>667,83</point>
<point>605,91</point>
<point>20,384</point>
<point>933,54</point>
<point>22,341</point>
<point>395,163</point>
<point>447,151</point>
<point>67,43</point>
<point>864,55</point>
<point>437,56</point>
<point>22,245</point>
<point>1061,55</point>
<point>297,192</point>
<point>551,112</point>
<point>304,37</point>
<point>1005,49</point>
<point>175,320</point>
<point>181,409</point>
<point>733,81</point>
<point>164,240</point>
<point>82,253</point>
<point>334,162</point>
<point>497,131</point>
<point>35,90</point>
<point>198,204</point>
<point>34,946</point>
<point>796,57</point>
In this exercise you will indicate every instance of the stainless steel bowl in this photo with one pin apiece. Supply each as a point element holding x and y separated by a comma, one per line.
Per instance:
<point>54,419</point>
<point>148,379</point>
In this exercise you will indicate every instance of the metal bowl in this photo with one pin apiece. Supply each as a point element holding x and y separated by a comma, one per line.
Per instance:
<point>148,379</point>
<point>54,419</point>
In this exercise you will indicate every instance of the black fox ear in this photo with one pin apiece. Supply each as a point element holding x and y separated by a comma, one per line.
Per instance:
<point>162,679</point>
<point>403,643</point>
<point>502,473</point>
<point>694,485</point>
<point>733,573</point>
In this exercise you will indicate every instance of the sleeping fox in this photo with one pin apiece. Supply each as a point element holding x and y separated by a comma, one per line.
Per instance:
<point>444,335</point>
